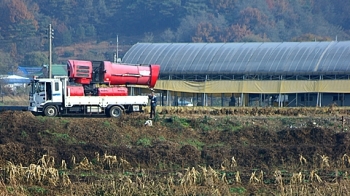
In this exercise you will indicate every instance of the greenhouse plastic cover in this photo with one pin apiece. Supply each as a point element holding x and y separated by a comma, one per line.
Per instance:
<point>296,58</point>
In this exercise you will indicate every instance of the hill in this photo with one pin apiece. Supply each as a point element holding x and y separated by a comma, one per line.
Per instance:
<point>26,25</point>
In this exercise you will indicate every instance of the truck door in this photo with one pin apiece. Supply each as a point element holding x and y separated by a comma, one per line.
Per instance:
<point>56,92</point>
<point>39,95</point>
<point>48,91</point>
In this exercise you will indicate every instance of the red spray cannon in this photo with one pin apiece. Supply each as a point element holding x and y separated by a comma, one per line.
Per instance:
<point>98,72</point>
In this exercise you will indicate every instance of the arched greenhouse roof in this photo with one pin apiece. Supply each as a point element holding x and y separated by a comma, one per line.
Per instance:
<point>291,58</point>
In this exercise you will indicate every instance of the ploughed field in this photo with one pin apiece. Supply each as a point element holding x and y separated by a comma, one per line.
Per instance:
<point>187,151</point>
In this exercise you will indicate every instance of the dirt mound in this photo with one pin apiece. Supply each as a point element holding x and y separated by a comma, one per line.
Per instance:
<point>99,151</point>
<point>171,141</point>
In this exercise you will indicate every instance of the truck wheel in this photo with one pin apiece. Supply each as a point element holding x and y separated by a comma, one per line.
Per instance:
<point>50,111</point>
<point>115,112</point>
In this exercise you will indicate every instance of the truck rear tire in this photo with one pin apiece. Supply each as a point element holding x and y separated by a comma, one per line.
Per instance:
<point>115,112</point>
<point>50,111</point>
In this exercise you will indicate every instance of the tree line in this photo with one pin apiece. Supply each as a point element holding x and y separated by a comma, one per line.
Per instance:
<point>24,23</point>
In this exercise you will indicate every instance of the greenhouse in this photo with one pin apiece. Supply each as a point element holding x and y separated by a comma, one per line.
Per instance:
<point>292,74</point>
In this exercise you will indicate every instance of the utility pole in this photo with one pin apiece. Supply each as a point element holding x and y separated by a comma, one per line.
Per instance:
<point>50,35</point>
<point>117,48</point>
<point>116,52</point>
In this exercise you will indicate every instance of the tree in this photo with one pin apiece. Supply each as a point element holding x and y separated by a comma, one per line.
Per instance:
<point>191,26</point>
<point>310,37</point>
<point>194,7</point>
<point>11,68</point>
<point>253,18</point>
<point>235,33</point>
<point>35,59</point>
<point>16,20</point>
<point>148,37</point>
<point>222,6</point>
<point>255,38</point>
<point>142,16</point>
<point>80,33</point>
<point>167,36</point>
<point>5,61</point>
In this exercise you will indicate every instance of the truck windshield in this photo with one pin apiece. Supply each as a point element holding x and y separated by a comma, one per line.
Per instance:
<point>37,87</point>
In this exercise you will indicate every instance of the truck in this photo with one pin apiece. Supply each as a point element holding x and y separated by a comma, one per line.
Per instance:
<point>92,88</point>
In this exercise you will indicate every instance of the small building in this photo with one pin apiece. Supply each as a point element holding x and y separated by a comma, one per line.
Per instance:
<point>42,71</point>
<point>28,71</point>
<point>13,83</point>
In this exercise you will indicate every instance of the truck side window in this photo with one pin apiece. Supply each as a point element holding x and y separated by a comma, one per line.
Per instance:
<point>41,87</point>
<point>48,91</point>
<point>57,86</point>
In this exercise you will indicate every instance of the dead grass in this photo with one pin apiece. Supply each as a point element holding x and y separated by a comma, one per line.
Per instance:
<point>15,100</point>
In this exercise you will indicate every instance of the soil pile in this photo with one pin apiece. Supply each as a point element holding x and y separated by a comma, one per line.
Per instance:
<point>230,144</point>
<point>184,142</point>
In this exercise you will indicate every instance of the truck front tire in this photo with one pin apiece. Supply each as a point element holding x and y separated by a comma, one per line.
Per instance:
<point>50,111</point>
<point>115,112</point>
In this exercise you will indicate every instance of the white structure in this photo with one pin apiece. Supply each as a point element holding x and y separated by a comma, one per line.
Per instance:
<point>14,81</point>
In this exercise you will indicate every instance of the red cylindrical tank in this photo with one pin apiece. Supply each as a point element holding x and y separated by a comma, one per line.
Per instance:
<point>112,91</point>
<point>88,72</point>
<point>120,74</point>
<point>75,91</point>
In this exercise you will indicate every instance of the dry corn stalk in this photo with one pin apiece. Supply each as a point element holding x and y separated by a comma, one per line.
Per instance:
<point>73,160</point>
<point>313,176</point>
<point>297,178</point>
<point>50,161</point>
<point>63,165</point>
<point>213,174</point>
<point>318,178</point>
<point>124,163</point>
<point>109,160</point>
<point>210,177</point>
<point>170,181</point>
<point>223,168</point>
<point>42,161</point>
<point>345,159</point>
<point>325,161</point>
<point>139,183</point>
<point>190,177</point>
<point>204,174</point>
<point>345,176</point>
<point>52,175</point>
<point>253,179</point>
<point>65,180</point>
<point>216,192</point>
<point>35,173</point>
<point>278,176</point>
<point>224,179</point>
<point>97,156</point>
<point>238,177</point>
<point>302,160</point>
<point>84,164</point>
<point>233,162</point>
<point>261,176</point>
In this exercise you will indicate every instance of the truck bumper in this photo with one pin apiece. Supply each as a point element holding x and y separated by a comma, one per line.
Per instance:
<point>33,108</point>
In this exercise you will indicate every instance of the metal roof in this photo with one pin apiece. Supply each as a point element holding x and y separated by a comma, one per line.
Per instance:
<point>13,79</point>
<point>292,58</point>
<point>29,71</point>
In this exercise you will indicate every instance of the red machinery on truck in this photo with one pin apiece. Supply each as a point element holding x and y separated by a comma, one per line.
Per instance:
<point>92,88</point>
